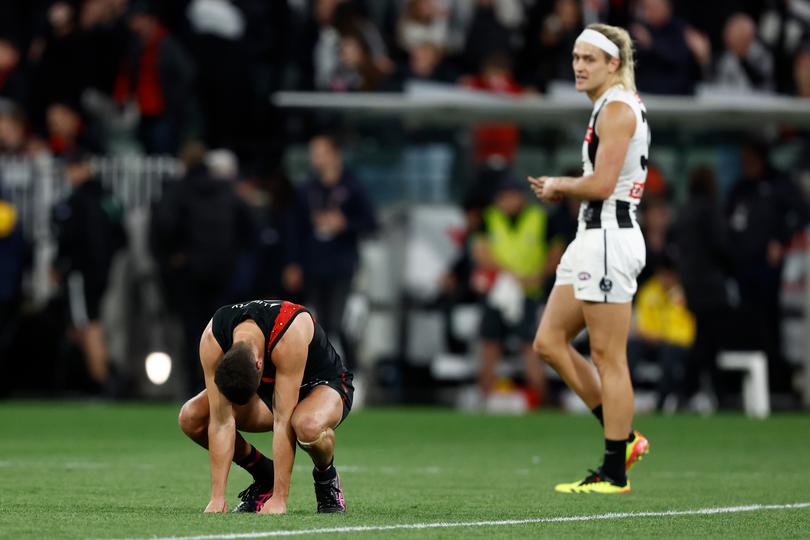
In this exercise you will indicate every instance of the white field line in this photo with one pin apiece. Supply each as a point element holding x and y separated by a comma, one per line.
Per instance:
<point>491,523</point>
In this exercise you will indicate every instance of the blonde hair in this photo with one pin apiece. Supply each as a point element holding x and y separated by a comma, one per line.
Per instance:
<point>626,75</point>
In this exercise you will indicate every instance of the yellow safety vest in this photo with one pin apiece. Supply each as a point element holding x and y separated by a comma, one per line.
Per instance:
<point>662,314</point>
<point>519,247</point>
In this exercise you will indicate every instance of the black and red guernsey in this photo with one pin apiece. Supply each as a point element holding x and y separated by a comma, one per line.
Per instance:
<point>274,317</point>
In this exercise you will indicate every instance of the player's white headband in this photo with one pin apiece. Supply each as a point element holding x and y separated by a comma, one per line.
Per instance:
<point>598,39</point>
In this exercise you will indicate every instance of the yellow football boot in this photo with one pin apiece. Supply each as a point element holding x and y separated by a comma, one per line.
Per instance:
<point>594,483</point>
<point>636,450</point>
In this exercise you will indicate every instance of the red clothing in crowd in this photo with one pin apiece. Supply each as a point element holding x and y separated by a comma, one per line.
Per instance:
<point>496,138</point>
<point>148,91</point>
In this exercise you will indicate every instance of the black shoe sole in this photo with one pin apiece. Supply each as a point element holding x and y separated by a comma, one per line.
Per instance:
<point>332,511</point>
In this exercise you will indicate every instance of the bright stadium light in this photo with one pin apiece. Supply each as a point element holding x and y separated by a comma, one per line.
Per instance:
<point>158,367</point>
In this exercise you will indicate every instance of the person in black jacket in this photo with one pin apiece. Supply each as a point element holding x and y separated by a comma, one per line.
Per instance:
<point>705,268</point>
<point>89,232</point>
<point>333,212</point>
<point>765,210</point>
<point>199,231</point>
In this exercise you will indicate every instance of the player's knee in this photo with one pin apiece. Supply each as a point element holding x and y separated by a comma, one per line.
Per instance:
<point>308,429</point>
<point>599,355</point>
<point>190,421</point>
<point>545,345</point>
<point>605,360</point>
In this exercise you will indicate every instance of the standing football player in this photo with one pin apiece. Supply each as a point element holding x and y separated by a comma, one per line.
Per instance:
<point>596,277</point>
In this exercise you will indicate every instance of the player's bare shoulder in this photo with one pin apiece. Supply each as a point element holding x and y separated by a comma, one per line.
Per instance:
<point>297,336</point>
<point>617,117</point>
<point>210,350</point>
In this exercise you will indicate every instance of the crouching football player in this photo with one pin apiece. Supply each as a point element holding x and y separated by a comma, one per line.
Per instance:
<point>269,367</point>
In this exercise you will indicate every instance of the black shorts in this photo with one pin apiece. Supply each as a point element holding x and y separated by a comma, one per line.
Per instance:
<point>495,328</point>
<point>342,385</point>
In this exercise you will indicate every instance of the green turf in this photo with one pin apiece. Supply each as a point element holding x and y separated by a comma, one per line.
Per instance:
<point>125,471</point>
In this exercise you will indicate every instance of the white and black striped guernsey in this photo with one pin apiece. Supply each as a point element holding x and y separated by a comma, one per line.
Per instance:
<point>619,210</point>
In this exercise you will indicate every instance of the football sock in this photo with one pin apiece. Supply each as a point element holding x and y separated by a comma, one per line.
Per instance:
<point>597,412</point>
<point>325,475</point>
<point>259,466</point>
<point>613,466</point>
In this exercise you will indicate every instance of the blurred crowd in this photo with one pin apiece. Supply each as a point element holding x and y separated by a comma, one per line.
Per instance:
<point>128,75</point>
<point>116,77</point>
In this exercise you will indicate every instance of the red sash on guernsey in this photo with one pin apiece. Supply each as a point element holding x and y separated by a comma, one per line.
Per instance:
<point>285,315</point>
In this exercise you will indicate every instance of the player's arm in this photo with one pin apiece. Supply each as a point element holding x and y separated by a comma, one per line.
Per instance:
<point>290,358</point>
<point>615,126</point>
<point>221,424</point>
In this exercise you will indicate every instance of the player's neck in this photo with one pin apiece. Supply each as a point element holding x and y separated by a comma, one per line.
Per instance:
<point>249,332</point>
<point>600,90</point>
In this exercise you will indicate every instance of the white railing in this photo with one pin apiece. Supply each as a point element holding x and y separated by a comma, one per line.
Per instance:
<point>35,184</point>
<point>446,105</point>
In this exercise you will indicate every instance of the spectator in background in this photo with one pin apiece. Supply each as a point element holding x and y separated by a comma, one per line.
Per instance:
<point>801,72</point>
<point>350,19</point>
<point>103,29</point>
<point>745,64</point>
<point>223,82</point>
<point>546,54</point>
<point>663,55</point>
<point>705,269</point>
<point>333,213</point>
<point>423,22</point>
<point>60,69</point>
<point>12,257</point>
<point>356,70</point>
<point>765,210</point>
<point>495,144</point>
<point>427,159</point>
<point>13,130</point>
<point>426,62</point>
<point>271,198</point>
<point>157,75</point>
<point>490,30</point>
<point>665,329</point>
<point>784,28</point>
<point>66,130</point>
<point>321,47</point>
<point>13,79</point>
<point>199,232</point>
<point>655,224</point>
<point>89,232</point>
<point>456,284</point>
<point>510,255</point>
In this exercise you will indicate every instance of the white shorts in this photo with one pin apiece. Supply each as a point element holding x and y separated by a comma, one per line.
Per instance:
<point>603,264</point>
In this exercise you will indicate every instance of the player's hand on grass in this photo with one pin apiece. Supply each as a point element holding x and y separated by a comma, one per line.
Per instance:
<point>274,506</point>
<point>216,506</point>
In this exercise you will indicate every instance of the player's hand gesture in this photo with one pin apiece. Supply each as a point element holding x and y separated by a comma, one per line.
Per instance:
<point>274,506</point>
<point>216,506</point>
<point>545,188</point>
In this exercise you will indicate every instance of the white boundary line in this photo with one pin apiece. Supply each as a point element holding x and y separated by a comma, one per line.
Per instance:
<point>493,523</point>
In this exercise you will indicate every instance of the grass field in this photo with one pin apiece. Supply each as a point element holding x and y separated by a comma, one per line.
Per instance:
<point>77,470</point>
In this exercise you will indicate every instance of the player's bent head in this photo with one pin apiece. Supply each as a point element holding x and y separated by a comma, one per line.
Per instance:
<point>237,375</point>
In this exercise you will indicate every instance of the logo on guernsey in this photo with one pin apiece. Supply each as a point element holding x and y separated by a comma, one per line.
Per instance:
<point>589,135</point>
<point>264,303</point>
<point>605,284</point>
<point>584,276</point>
